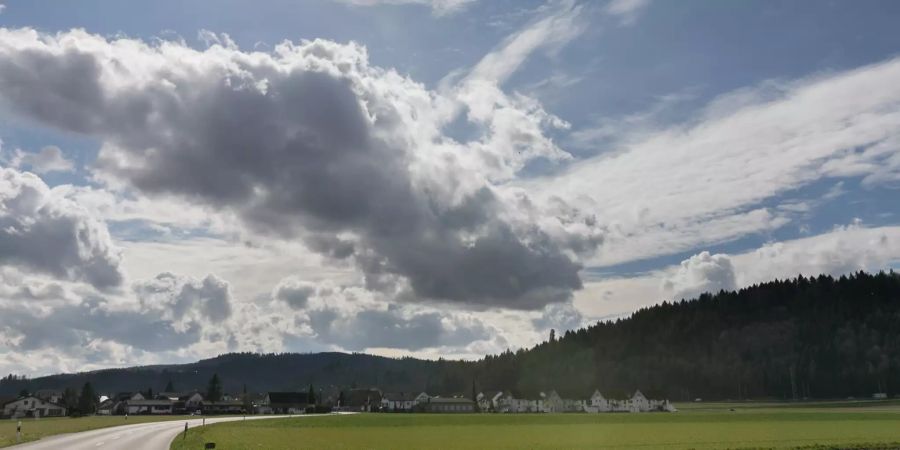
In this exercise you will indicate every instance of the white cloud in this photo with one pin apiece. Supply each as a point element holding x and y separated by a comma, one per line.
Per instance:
<point>687,186</point>
<point>626,10</point>
<point>438,7</point>
<point>371,179</point>
<point>844,250</point>
<point>48,159</point>
<point>50,234</point>
<point>701,273</point>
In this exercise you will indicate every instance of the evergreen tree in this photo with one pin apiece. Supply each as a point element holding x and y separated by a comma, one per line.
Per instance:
<point>170,387</point>
<point>214,389</point>
<point>70,401</point>
<point>311,396</point>
<point>87,401</point>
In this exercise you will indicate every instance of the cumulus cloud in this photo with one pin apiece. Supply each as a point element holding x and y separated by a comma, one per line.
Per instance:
<point>559,316</point>
<point>701,273</point>
<point>185,300</point>
<point>48,159</point>
<point>44,232</point>
<point>294,292</point>
<point>354,318</point>
<point>844,250</point>
<point>310,141</point>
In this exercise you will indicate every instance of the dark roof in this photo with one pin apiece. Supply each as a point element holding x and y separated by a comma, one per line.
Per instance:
<point>362,397</point>
<point>399,396</point>
<point>224,403</point>
<point>187,395</point>
<point>288,398</point>
<point>150,403</point>
<point>451,400</point>
<point>6,402</point>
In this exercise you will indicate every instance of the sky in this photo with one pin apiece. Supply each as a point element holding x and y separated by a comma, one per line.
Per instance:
<point>446,178</point>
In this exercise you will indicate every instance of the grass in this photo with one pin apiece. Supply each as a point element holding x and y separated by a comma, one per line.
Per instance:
<point>706,426</point>
<point>35,429</point>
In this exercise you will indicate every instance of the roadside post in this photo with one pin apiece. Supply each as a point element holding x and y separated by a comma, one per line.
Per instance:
<point>204,421</point>
<point>19,432</point>
<point>185,432</point>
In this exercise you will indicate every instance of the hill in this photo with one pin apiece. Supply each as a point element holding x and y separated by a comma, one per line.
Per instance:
<point>815,337</point>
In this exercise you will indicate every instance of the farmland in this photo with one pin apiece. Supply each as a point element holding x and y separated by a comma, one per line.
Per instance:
<point>840,425</point>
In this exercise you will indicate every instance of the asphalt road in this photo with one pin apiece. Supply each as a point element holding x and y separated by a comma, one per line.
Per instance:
<point>144,436</point>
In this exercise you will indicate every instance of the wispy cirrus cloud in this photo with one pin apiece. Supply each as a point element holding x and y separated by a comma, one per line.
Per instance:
<point>438,7</point>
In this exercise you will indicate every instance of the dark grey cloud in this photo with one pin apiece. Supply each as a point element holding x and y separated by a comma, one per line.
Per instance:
<point>294,292</point>
<point>308,142</point>
<point>390,328</point>
<point>181,298</point>
<point>53,235</point>
<point>72,326</point>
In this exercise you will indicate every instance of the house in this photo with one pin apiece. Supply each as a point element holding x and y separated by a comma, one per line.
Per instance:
<point>449,405</point>
<point>153,407</point>
<point>638,403</point>
<point>553,403</point>
<point>489,402</point>
<point>507,403</point>
<point>49,395</point>
<point>403,401</point>
<point>188,402</point>
<point>597,403</point>
<point>106,407</point>
<point>223,407</point>
<point>284,403</point>
<point>365,400</point>
<point>32,406</point>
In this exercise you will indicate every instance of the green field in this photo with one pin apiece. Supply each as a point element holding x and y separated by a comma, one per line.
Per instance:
<point>832,425</point>
<point>35,429</point>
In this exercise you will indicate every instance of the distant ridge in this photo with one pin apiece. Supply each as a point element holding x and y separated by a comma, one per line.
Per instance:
<point>819,337</point>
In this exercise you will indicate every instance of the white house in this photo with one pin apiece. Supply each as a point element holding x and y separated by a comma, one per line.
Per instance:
<point>553,403</point>
<point>509,404</point>
<point>638,403</point>
<point>149,407</point>
<point>32,406</point>
<point>403,401</point>
<point>597,403</point>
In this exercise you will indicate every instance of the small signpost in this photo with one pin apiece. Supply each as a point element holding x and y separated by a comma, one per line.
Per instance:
<point>19,432</point>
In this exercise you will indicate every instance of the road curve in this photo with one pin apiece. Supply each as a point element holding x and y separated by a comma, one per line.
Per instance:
<point>143,436</point>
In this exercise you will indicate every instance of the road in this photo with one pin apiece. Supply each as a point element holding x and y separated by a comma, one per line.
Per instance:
<point>144,436</point>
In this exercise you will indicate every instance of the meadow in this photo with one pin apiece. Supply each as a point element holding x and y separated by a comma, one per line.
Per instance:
<point>35,429</point>
<point>707,426</point>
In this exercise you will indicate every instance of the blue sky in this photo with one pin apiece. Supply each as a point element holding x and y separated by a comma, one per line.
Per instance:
<point>547,163</point>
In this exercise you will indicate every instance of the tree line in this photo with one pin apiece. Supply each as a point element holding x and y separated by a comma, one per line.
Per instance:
<point>816,337</point>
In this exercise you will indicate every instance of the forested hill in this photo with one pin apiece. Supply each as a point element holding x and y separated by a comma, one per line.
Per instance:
<point>807,337</point>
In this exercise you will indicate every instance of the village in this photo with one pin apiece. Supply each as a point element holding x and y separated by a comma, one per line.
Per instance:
<point>50,403</point>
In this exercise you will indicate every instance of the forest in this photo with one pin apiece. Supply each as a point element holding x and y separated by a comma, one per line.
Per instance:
<point>819,337</point>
